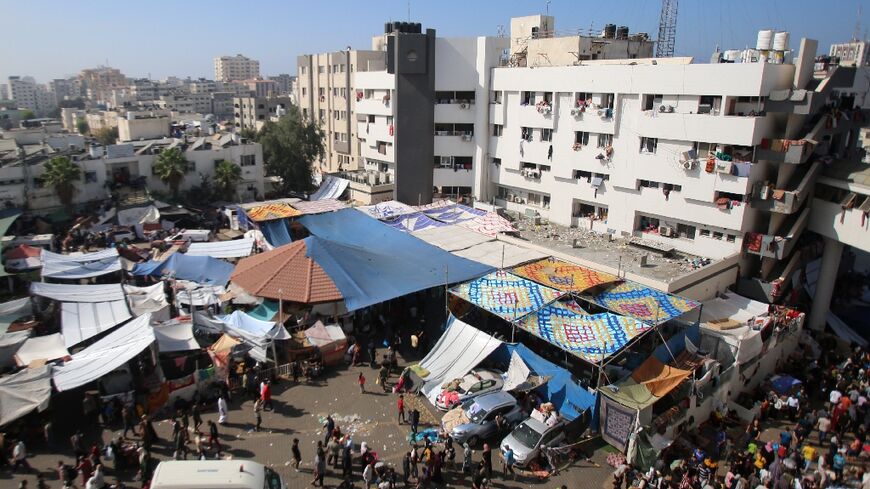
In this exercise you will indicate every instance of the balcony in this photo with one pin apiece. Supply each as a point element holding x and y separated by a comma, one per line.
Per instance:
<point>374,106</point>
<point>735,130</point>
<point>847,225</point>
<point>771,287</point>
<point>784,151</point>
<point>536,116</point>
<point>778,245</point>
<point>454,143</point>
<point>453,113</point>
<point>790,199</point>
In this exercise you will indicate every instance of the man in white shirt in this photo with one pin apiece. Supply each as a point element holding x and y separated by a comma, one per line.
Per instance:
<point>834,397</point>
<point>793,405</point>
<point>19,457</point>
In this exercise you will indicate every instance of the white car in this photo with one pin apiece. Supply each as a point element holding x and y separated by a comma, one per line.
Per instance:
<point>475,383</point>
<point>192,235</point>
<point>529,436</point>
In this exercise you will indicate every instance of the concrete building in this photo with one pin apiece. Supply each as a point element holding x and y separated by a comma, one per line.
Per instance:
<point>238,67</point>
<point>202,85</point>
<point>23,93</point>
<point>259,87</point>
<point>96,82</point>
<point>852,53</point>
<point>64,89</point>
<point>139,125</point>
<point>253,112</point>
<point>284,84</point>
<point>222,106</point>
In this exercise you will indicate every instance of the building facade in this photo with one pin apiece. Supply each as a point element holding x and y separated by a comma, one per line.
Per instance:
<point>253,112</point>
<point>852,53</point>
<point>238,67</point>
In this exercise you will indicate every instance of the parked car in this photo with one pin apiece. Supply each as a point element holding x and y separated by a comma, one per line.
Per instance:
<point>475,383</point>
<point>191,235</point>
<point>475,419</point>
<point>529,436</point>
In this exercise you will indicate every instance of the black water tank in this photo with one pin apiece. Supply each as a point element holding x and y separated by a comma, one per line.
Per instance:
<point>402,27</point>
<point>622,32</point>
<point>610,31</point>
<point>388,27</point>
<point>418,28</point>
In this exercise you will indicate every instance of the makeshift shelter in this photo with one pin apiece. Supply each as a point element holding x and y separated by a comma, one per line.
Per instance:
<point>330,188</point>
<point>22,258</point>
<point>175,335</point>
<point>372,263</point>
<point>564,276</point>
<point>83,320</point>
<point>640,302</point>
<point>489,224</point>
<point>7,220</point>
<point>104,356</point>
<point>132,216</point>
<point>41,349</point>
<point>451,237</point>
<point>220,352</point>
<point>461,348</point>
<point>319,206</point>
<point>10,342</point>
<point>590,337</point>
<point>22,392</point>
<point>238,295</point>
<point>453,213</point>
<point>78,293</point>
<point>200,269</point>
<point>268,310</point>
<point>148,299</point>
<point>416,221</point>
<point>237,248</point>
<point>85,265</point>
<point>258,333</point>
<point>276,232</point>
<point>506,295</point>
<point>389,208</point>
<point>330,340</point>
<point>14,310</point>
<point>499,254</point>
<point>286,273</point>
<point>271,211</point>
<point>196,295</point>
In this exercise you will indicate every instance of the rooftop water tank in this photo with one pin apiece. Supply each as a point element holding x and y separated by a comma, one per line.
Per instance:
<point>765,40</point>
<point>622,32</point>
<point>609,31</point>
<point>780,41</point>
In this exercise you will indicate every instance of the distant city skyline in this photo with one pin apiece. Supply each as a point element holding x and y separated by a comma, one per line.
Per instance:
<point>55,40</point>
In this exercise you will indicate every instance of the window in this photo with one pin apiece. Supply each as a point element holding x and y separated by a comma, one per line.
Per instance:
<point>497,129</point>
<point>548,97</point>
<point>322,114</point>
<point>495,96</point>
<point>321,70</point>
<point>343,114</point>
<point>90,177</point>
<point>527,98</point>
<point>581,138</point>
<point>343,92</point>
<point>382,147</point>
<point>705,233</point>
<point>370,119</point>
<point>648,145</point>
<point>703,149</point>
<point>583,175</point>
<point>247,160</point>
<point>730,238</point>
<point>717,235</point>
<point>302,70</point>
<point>607,100</point>
<point>335,91</point>
<point>605,140</point>
<point>685,231</point>
<point>526,133</point>
<point>304,90</point>
<point>709,104</point>
<point>547,135</point>
<point>496,161</point>
<point>320,91</point>
<point>389,120</point>
<point>651,101</point>
<point>649,184</point>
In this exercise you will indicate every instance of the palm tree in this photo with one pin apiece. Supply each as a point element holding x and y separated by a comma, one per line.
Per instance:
<point>170,168</point>
<point>226,176</point>
<point>60,173</point>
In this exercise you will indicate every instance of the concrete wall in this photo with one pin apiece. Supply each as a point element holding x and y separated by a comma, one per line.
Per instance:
<point>145,128</point>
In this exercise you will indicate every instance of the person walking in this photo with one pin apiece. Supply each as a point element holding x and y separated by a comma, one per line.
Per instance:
<point>382,377</point>
<point>328,426</point>
<point>214,437</point>
<point>487,460</point>
<point>197,417</point>
<point>415,420</point>
<point>373,353</point>
<point>222,410</point>
<point>19,457</point>
<point>266,395</point>
<point>258,414</point>
<point>297,455</point>
<point>508,460</point>
<point>346,461</point>
<point>400,405</point>
<point>415,459</point>
<point>319,464</point>
<point>361,380</point>
<point>467,456</point>
<point>332,448</point>
<point>369,475</point>
<point>129,420</point>
<point>406,467</point>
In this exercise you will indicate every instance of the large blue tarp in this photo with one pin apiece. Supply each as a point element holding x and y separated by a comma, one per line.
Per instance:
<point>276,232</point>
<point>371,262</point>
<point>677,343</point>
<point>200,269</point>
<point>570,399</point>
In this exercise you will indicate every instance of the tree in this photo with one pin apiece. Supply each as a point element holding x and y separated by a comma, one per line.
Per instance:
<point>27,114</point>
<point>226,176</point>
<point>82,126</point>
<point>290,146</point>
<point>106,135</point>
<point>248,133</point>
<point>170,168</point>
<point>60,173</point>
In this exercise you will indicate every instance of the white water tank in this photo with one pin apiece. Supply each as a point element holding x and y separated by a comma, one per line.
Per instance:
<point>765,40</point>
<point>780,41</point>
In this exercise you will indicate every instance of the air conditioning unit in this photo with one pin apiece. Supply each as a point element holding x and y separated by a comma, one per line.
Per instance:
<point>602,112</point>
<point>463,105</point>
<point>575,112</point>
<point>666,109</point>
<point>689,164</point>
<point>467,137</point>
<point>666,231</point>
<point>535,173</point>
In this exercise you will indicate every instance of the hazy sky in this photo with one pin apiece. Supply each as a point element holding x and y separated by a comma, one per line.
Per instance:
<point>52,38</point>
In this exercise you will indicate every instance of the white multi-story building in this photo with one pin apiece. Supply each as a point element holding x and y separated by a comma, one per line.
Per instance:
<point>238,67</point>
<point>23,92</point>
<point>852,53</point>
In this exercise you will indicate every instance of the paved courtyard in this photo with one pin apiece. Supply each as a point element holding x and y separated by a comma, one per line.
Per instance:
<point>299,409</point>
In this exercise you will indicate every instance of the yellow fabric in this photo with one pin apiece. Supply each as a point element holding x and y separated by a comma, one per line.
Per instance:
<point>272,211</point>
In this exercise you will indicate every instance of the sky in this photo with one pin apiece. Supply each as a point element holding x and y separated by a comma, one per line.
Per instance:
<point>52,38</point>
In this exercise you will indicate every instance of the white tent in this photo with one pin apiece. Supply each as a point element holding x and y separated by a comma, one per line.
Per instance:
<point>85,265</point>
<point>45,348</point>
<point>331,188</point>
<point>23,392</point>
<point>82,320</point>
<point>139,215</point>
<point>78,293</point>
<point>236,248</point>
<point>105,355</point>
<point>241,325</point>
<point>499,254</point>
<point>9,344</point>
<point>12,311</point>
<point>451,238</point>
<point>517,373</point>
<point>175,335</point>
<point>389,208</point>
<point>193,294</point>
<point>733,306</point>
<point>461,348</point>
<point>148,299</point>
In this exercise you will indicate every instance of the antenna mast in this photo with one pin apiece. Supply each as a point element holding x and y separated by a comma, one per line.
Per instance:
<point>667,29</point>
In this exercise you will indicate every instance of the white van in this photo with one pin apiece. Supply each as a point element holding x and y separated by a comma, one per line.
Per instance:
<point>215,474</point>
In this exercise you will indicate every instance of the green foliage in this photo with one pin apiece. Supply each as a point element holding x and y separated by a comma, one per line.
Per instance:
<point>226,176</point>
<point>82,126</point>
<point>290,146</point>
<point>170,168</point>
<point>60,173</point>
<point>106,135</point>
<point>248,133</point>
<point>27,114</point>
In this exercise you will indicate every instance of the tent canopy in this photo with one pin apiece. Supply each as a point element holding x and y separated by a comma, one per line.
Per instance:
<point>45,348</point>
<point>733,306</point>
<point>200,269</point>
<point>175,335</point>
<point>83,320</point>
<point>146,299</point>
<point>78,293</point>
<point>275,232</point>
<point>499,254</point>
<point>241,325</point>
<point>22,392</point>
<point>506,295</point>
<point>236,248</point>
<point>387,209</point>
<point>14,310</point>
<point>564,276</point>
<point>321,335</point>
<point>451,237</point>
<point>371,262</point>
<point>286,273</point>
<point>452,213</point>
<point>416,221</point>
<point>331,188</point>
<point>86,265</point>
<point>105,355</point>
<point>268,212</point>
<point>647,384</point>
<point>319,206</point>
<point>640,302</point>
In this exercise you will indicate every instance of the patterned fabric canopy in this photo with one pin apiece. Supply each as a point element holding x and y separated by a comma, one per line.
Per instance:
<point>386,209</point>
<point>489,224</point>
<point>454,213</point>
<point>319,206</point>
<point>635,300</point>
<point>506,295</point>
<point>269,212</point>
<point>564,276</point>
<point>412,222</point>
<point>592,337</point>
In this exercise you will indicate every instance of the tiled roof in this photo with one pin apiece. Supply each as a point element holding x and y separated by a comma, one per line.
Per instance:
<point>286,273</point>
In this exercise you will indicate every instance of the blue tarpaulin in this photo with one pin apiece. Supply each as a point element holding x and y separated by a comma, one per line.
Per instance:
<point>245,222</point>
<point>371,262</point>
<point>570,399</point>
<point>677,343</point>
<point>783,384</point>
<point>200,269</point>
<point>276,232</point>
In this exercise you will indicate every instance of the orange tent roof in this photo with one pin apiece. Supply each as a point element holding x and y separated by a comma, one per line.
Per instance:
<point>660,378</point>
<point>268,212</point>
<point>286,273</point>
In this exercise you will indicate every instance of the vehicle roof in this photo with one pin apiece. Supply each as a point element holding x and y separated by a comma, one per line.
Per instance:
<point>494,400</point>
<point>208,474</point>
<point>536,425</point>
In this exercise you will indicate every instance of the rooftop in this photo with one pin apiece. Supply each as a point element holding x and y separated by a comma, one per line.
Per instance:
<point>598,248</point>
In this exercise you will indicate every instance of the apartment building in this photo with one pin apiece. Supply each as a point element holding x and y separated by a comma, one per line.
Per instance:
<point>97,82</point>
<point>253,112</point>
<point>260,87</point>
<point>141,125</point>
<point>284,83</point>
<point>23,92</point>
<point>238,67</point>
<point>325,94</point>
<point>852,53</point>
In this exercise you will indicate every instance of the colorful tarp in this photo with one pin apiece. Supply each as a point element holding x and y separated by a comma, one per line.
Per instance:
<point>506,295</point>
<point>389,208</point>
<point>416,221</point>
<point>590,337</point>
<point>319,206</point>
<point>617,423</point>
<point>453,213</point>
<point>272,211</point>
<point>564,276</point>
<point>489,224</point>
<point>641,302</point>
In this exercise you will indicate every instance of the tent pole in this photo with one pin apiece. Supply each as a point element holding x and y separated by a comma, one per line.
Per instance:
<point>503,246</point>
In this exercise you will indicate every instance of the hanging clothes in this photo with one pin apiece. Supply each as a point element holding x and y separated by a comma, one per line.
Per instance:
<point>741,168</point>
